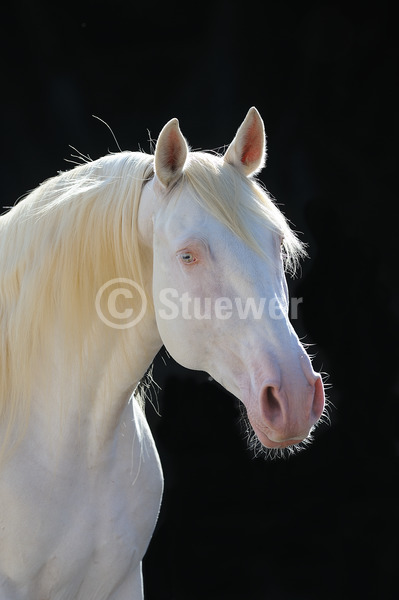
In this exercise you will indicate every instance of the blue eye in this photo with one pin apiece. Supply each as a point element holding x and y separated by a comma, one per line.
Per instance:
<point>187,257</point>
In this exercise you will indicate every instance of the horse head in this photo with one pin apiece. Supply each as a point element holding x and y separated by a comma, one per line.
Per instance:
<point>220,248</point>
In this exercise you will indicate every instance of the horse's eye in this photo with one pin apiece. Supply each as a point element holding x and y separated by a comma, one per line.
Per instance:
<point>187,258</point>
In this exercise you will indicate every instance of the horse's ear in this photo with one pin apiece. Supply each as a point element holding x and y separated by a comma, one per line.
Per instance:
<point>170,153</point>
<point>247,152</point>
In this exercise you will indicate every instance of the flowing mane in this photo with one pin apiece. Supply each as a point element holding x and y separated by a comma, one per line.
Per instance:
<point>57,247</point>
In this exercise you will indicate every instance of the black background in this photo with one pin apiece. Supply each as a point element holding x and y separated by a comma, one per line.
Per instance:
<point>324,523</point>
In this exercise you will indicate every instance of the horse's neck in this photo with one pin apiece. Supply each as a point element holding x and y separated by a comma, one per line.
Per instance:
<point>88,405</point>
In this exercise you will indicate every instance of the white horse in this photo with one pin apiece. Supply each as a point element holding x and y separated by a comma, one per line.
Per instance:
<point>100,266</point>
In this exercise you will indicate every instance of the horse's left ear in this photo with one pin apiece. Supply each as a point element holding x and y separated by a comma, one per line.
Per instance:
<point>247,152</point>
<point>170,153</point>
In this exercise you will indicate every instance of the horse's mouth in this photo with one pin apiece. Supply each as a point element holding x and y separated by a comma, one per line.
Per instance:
<point>266,440</point>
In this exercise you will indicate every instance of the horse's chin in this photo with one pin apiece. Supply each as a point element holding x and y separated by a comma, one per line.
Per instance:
<point>266,439</point>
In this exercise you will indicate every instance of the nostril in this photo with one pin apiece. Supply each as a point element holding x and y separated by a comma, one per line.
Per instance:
<point>271,406</point>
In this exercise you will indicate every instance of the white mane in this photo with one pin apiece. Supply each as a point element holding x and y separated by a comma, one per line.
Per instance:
<point>57,247</point>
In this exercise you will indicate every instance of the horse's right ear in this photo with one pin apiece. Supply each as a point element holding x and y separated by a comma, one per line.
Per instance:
<point>170,153</point>
<point>247,152</point>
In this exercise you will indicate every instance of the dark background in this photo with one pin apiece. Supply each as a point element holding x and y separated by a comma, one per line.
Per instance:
<point>325,523</point>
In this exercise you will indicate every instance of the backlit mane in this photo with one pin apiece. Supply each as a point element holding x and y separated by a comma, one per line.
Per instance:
<point>57,247</point>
